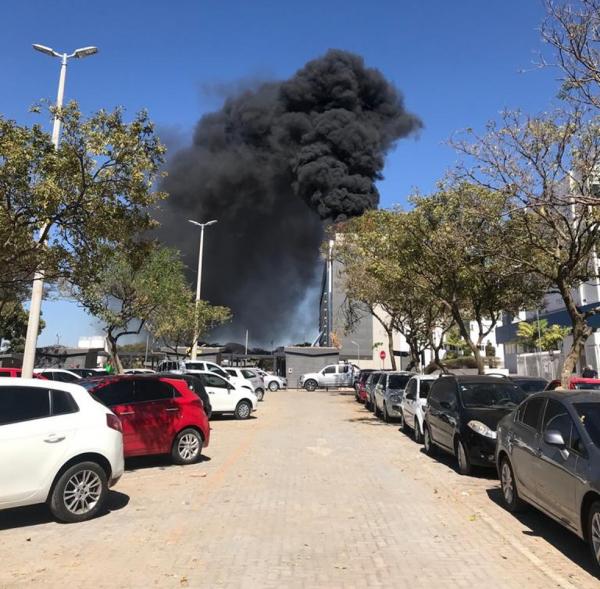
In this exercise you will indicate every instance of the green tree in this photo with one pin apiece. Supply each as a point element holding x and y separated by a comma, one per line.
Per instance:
<point>130,287</point>
<point>13,322</point>
<point>537,335</point>
<point>61,208</point>
<point>547,169</point>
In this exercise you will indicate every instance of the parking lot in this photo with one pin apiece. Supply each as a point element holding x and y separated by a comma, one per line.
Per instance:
<point>312,492</point>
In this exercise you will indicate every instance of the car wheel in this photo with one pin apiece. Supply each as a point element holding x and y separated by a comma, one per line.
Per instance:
<point>428,442</point>
<point>593,529</point>
<point>80,493</point>
<point>386,415</point>
<point>310,385</point>
<point>243,410</point>
<point>509,488</point>
<point>273,385</point>
<point>464,463</point>
<point>187,447</point>
<point>403,425</point>
<point>260,394</point>
<point>418,435</point>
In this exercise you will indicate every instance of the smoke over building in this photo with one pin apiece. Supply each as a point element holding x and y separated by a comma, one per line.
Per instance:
<point>272,166</point>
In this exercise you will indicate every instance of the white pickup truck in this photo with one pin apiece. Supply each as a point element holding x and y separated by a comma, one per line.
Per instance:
<point>334,375</point>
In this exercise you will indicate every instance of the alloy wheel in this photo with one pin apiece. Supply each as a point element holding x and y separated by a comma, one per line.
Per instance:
<point>188,446</point>
<point>243,410</point>
<point>508,489</point>
<point>596,535</point>
<point>82,492</point>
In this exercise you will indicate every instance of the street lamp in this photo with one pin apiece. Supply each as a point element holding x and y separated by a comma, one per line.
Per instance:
<point>37,290</point>
<point>199,277</point>
<point>357,353</point>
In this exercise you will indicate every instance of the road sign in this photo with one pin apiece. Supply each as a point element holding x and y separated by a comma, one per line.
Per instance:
<point>382,354</point>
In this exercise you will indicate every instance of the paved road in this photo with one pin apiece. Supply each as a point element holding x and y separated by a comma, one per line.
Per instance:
<point>314,492</point>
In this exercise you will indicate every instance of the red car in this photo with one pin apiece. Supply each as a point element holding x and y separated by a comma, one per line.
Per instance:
<point>16,373</point>
<point>576,382</point>
<point>159,415</point>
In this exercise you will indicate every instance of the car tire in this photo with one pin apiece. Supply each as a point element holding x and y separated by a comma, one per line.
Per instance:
<point>243,410</point>
<point>273,386</point>
<point>79,493</point>
<point>403,425</point>
<point>428,445</point>
<point>260,394</point>
<point>464,462</point>
<point>510,496</point>
<point>310,385</point>
<point>385,414</point>
<point>417,433</point>
<point>593,531</point>
<point>187,447</point>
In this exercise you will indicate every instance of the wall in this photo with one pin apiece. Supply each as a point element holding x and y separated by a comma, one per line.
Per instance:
<point>300,360</point>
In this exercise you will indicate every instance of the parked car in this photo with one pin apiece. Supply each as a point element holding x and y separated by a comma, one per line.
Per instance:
<point>576,383</point>
<point>194,384</point>
<point>387,392</point>
<point>335,375</point>
<point>138,371</point>
<point>462,415</point>
<point>57,446</point>
<point>16,373</point>
<point>413,404</point>
<point>228,397</point>
<point>360,380</point>
<point>57,374</point>
<point>160,415</point>
<point>548,455</point>
<point>273,382</point>
<point>250,377</point>
<point>370,385</point>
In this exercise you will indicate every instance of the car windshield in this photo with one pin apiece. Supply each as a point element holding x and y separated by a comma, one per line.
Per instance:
<point>194,366</point>
<point>531,385</point>
<point>590,386</point>
<point>398,381</point>
<point>490,394</point>
<point>589,416</point>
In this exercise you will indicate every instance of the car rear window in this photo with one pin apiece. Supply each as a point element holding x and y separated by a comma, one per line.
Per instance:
<point>398,381</point>
<point>589,417</point>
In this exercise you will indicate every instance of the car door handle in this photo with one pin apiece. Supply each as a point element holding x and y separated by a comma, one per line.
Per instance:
<point>126,413</point>
<point>172,409</point>
<point>53,438</point>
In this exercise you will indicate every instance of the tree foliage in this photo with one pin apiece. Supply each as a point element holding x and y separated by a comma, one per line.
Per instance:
<point>538,335</point>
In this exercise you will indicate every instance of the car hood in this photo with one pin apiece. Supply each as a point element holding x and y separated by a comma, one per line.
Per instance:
<point>489,417</point>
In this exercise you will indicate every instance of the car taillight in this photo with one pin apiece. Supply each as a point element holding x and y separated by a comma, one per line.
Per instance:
<point>114,422</point>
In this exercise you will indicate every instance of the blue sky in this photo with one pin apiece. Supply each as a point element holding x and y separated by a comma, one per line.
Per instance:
<point>457,63</point>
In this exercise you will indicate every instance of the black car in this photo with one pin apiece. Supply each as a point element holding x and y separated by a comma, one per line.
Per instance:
<point>194,384</point>
<point>462,416</point>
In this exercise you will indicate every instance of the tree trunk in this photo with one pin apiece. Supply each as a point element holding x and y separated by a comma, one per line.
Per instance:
<point>114,354</point>
<point>390,334</point>
<point>467,337</point>
<point>580,332</point>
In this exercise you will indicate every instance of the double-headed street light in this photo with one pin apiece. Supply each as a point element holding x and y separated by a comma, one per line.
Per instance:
<point>37,289</point>
<point>199,278</point>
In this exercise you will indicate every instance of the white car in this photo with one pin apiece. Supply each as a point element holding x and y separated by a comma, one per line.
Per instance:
<point>272,381</point>
<point>248,376</point>
<point>57,374</point>
<point>413,404</point>
<point>192,366</point>
<point>138,371</point>
<point>228,397</point>
<point>57,446</point>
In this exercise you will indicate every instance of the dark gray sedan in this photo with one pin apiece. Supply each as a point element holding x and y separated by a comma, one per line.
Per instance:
<point>548,455</point>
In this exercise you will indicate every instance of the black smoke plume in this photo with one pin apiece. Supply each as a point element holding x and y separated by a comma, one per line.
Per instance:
<point>272,165</point>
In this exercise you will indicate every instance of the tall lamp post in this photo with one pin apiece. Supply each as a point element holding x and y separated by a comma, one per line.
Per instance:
<point>37,290</point>
<point>199,278</point>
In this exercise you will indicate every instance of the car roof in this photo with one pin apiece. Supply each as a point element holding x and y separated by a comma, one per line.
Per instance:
<point>521,377</point>
<point>69,387</point>
<point>473,378</point>
<point>570,395</point>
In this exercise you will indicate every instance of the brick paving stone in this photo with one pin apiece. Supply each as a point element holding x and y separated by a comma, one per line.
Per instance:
<point>313,492</point>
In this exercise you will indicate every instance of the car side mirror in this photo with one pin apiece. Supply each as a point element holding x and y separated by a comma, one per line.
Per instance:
<point>553,437</point>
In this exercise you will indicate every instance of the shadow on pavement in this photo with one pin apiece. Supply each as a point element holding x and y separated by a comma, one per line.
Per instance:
<point>230,417</point>
<point>160,461</point>
<point>34,515</point>
<point>369,420</point>
<point>479,472</point>
<point>544,527</point>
